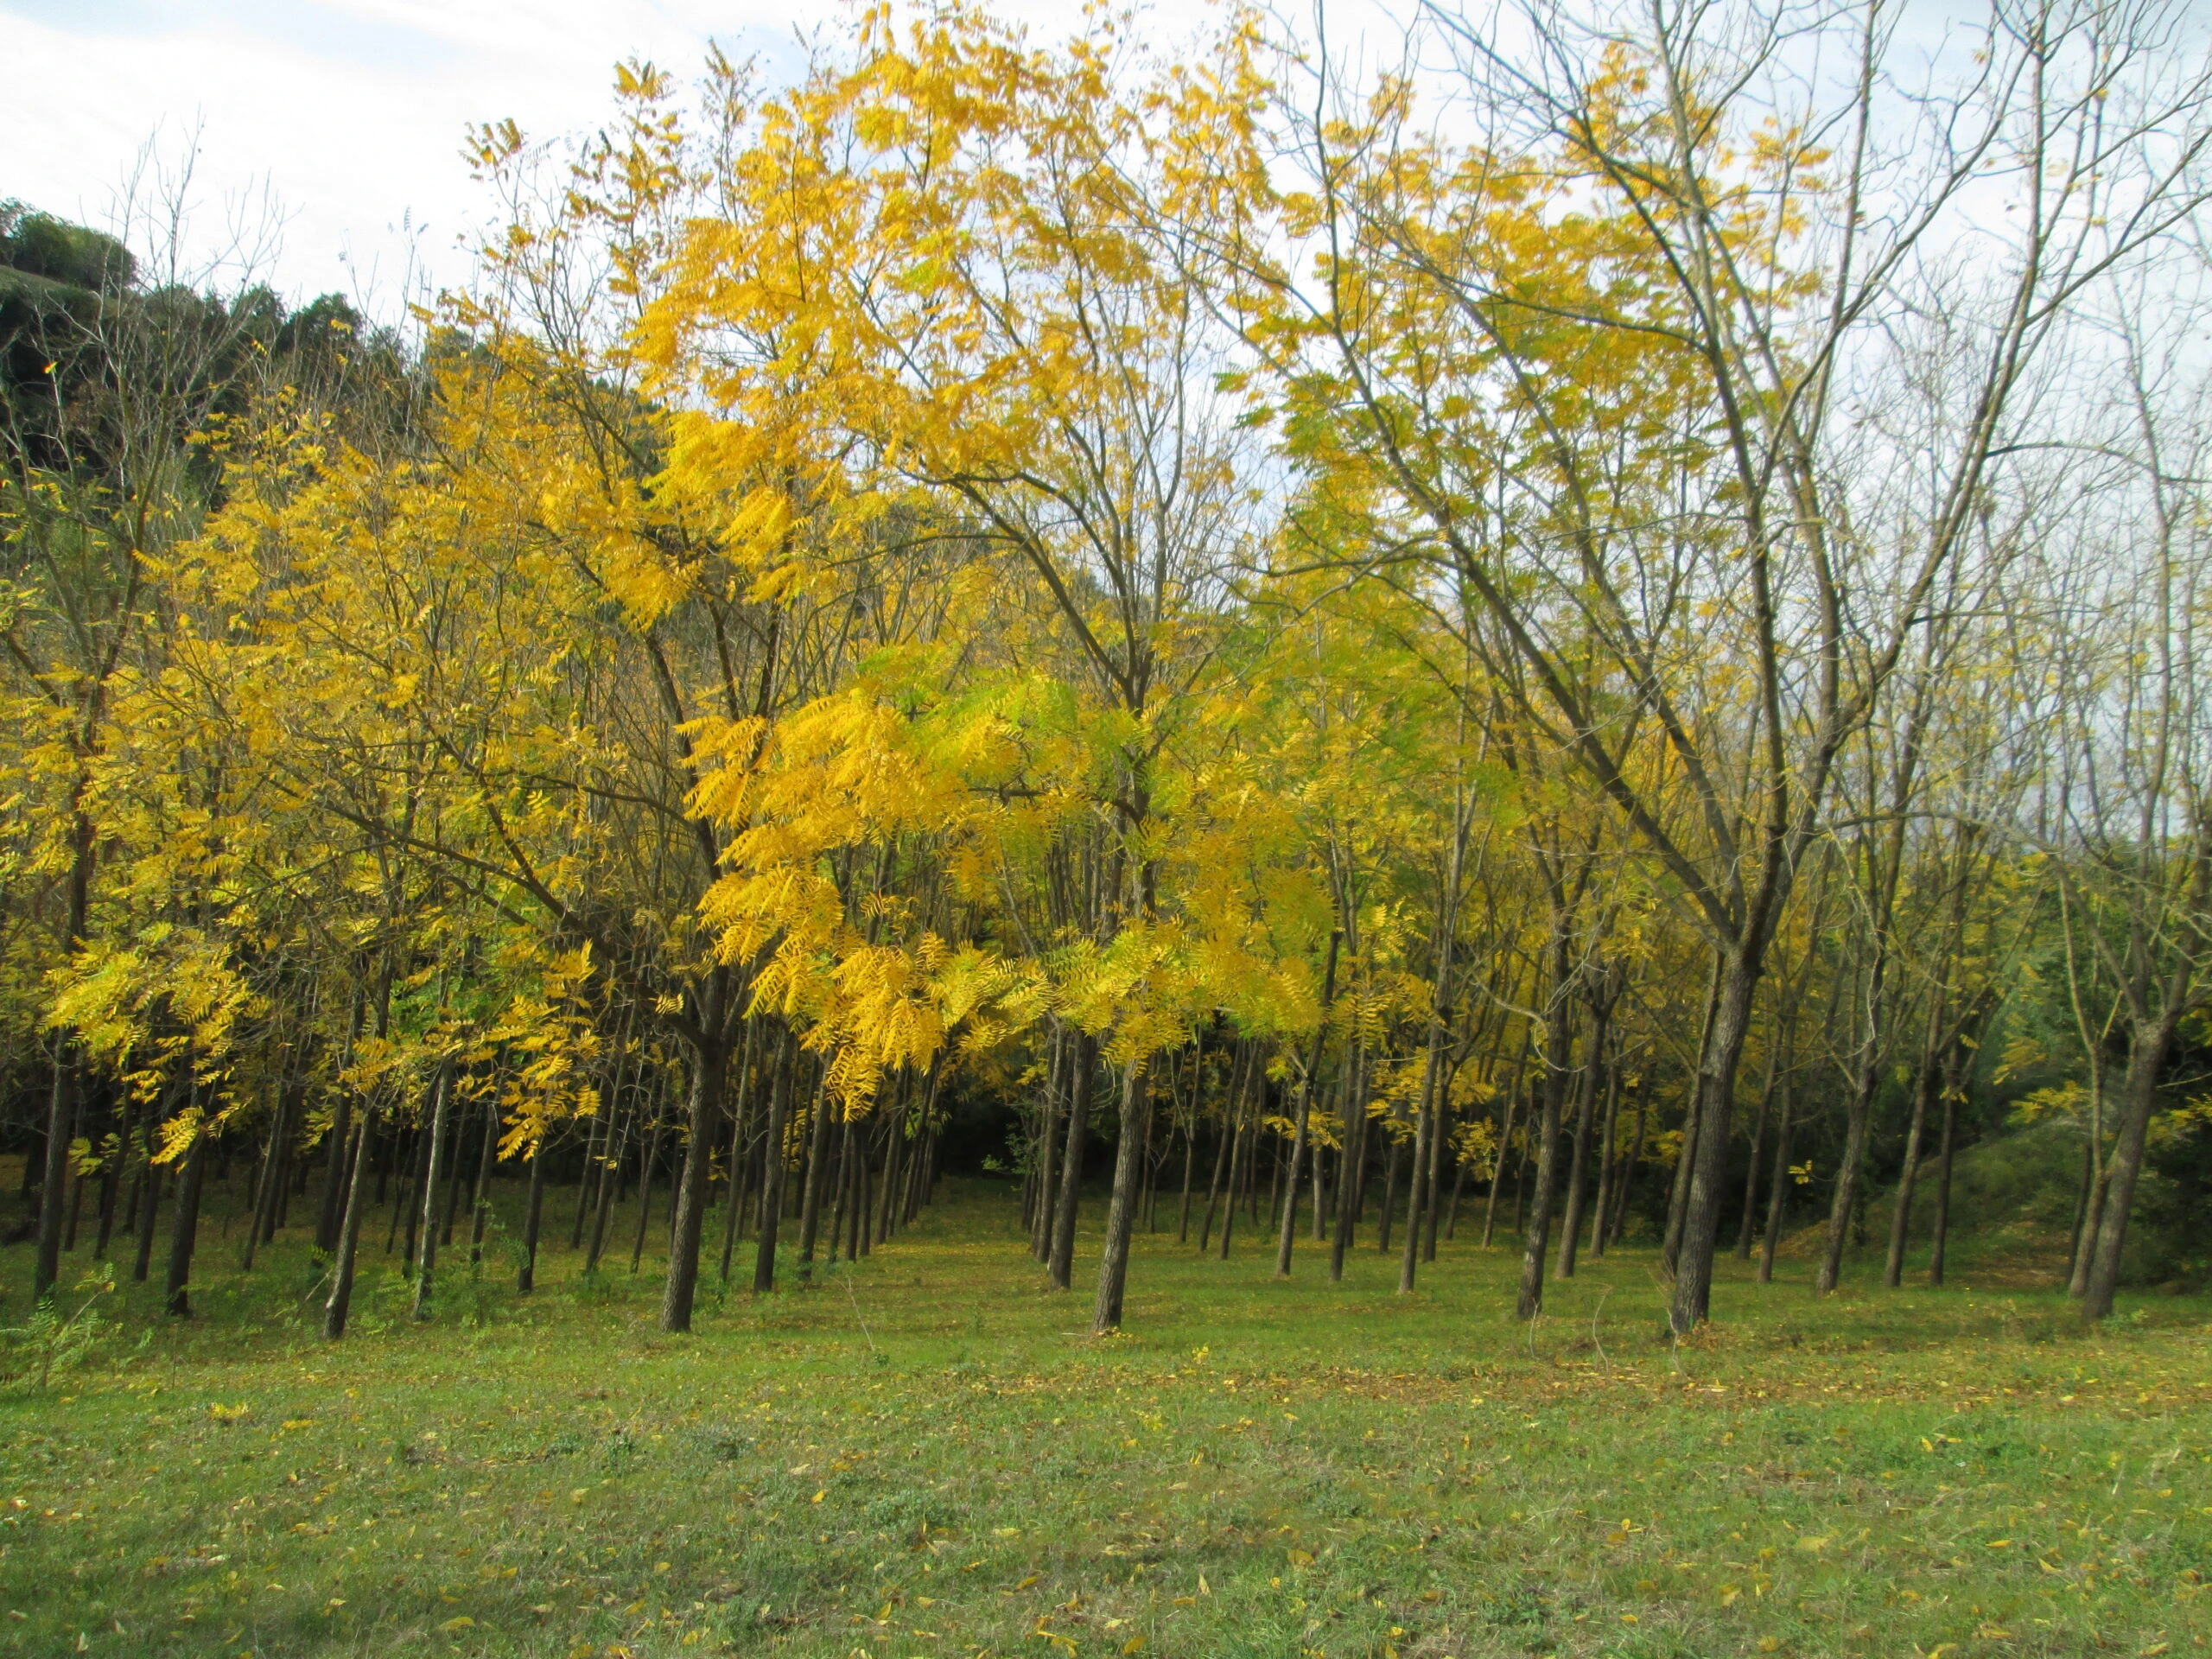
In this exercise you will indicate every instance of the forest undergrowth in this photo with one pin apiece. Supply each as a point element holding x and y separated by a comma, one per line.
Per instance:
<point>929,1453</point>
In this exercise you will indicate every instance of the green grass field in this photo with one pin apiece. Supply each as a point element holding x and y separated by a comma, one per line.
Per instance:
<point>929,1455</point>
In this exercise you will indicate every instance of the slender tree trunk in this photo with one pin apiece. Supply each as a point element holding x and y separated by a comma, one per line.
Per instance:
<point>1440,1142</point>
<point>1585,1113</point>
<point>1305,1110</point>
<point>62,1101</point>
<point>338,1177</point>
<point>1750,1221</point>
<point>1940,1224</point>
<point>111,1181</point>
<point>453,1170</point>
<point>2146,1058</point>
<point>1416,1187</point>
<point>533,1220</point>
<point>1041,1234</point>
<point>1190,1150</point>
<point>645,1170</point>
<point>1631,1162</point>
<point>817,1175</point>
<point>595,1136</point>
<point>709,1066</point>
<point>1778,1188</point>
<point>1121,1207</point>
<point>149,1201</point>
<point>1498,1166</point>
<point>1537,1237</point>
<point>1081,1084</point>
<point>1901,1213</point>
<point>771,1169</point>
<point>1240,1153</point>
<point>184,1228</point>
<point>1678,1194</point>
<point>265,1186</point>
<point>1608,1161</point>
<point>1352,1141</point>
<point>1708,1181</point>
<point>741,1189</point>
<point>479,1203</point>
<point>1389,1193</point>
<point>609,1184</point>
<point>426,1267</point>
<point>334,1311</point>
<point>61,1128</point>
<point>841,1193</point>
<point>1858,1111</point>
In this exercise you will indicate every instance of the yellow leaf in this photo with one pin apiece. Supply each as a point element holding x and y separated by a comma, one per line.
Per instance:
<point>1027,1582</point>
<point>463,1623</point>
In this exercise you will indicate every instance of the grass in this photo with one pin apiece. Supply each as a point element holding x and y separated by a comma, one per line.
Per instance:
<point>927,1455</point>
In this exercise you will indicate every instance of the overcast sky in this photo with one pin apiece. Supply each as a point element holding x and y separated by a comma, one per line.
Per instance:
<point>348,113</point>
<point>346,117</point>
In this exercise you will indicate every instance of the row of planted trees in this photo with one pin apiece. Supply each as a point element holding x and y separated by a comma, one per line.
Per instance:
<point>1585,621</point>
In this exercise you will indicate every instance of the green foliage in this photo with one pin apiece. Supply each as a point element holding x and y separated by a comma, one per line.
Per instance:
<point>50,1342</point>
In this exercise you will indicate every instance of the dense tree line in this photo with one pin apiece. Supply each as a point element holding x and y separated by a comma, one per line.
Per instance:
<point>1592,640</point>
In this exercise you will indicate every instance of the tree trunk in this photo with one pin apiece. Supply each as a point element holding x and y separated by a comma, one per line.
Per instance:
<point>68,1083</point>
<point>149,1202</point>
<point>1716,1088</point>
<point>454,1165</point>
<point>1041,1234</point>
<point>338,1177</point>
<point>1536,1236</point>
<point>1416,1190</point>
<point>818,1176</point>
<point>480,1201</point>
<point>1608,1162</point>
<point>596,1136</point>
<point>61,1127</point>
<point>1858,1111</point>
<point>1352,1144</point>
<point>184,1228</point>
<point>1940,1224</point>
<point>1901,1213</point>
<point>533,1217</point>
<point>1585,1113</point>
<point>426,1267</point>
<point>1240,1155</point>
<point>710,1066</point>
<point>646,1168</point>
<point>334,1311</point>
<point>1190,1151</point>
<point>1081,1084</point>
<point>1121,1208</point>
<point>2146,1058</point>
<point>1498,1166</point>
<point>1305,1110</point>
<point>1750,1221</point>
<point>609,1182</point>
<point>771,1169</point>
<point>1778,1189</point>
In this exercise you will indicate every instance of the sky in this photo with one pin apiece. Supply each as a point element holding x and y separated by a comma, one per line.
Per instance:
<point>325,135</point>
<point>346,117</point>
